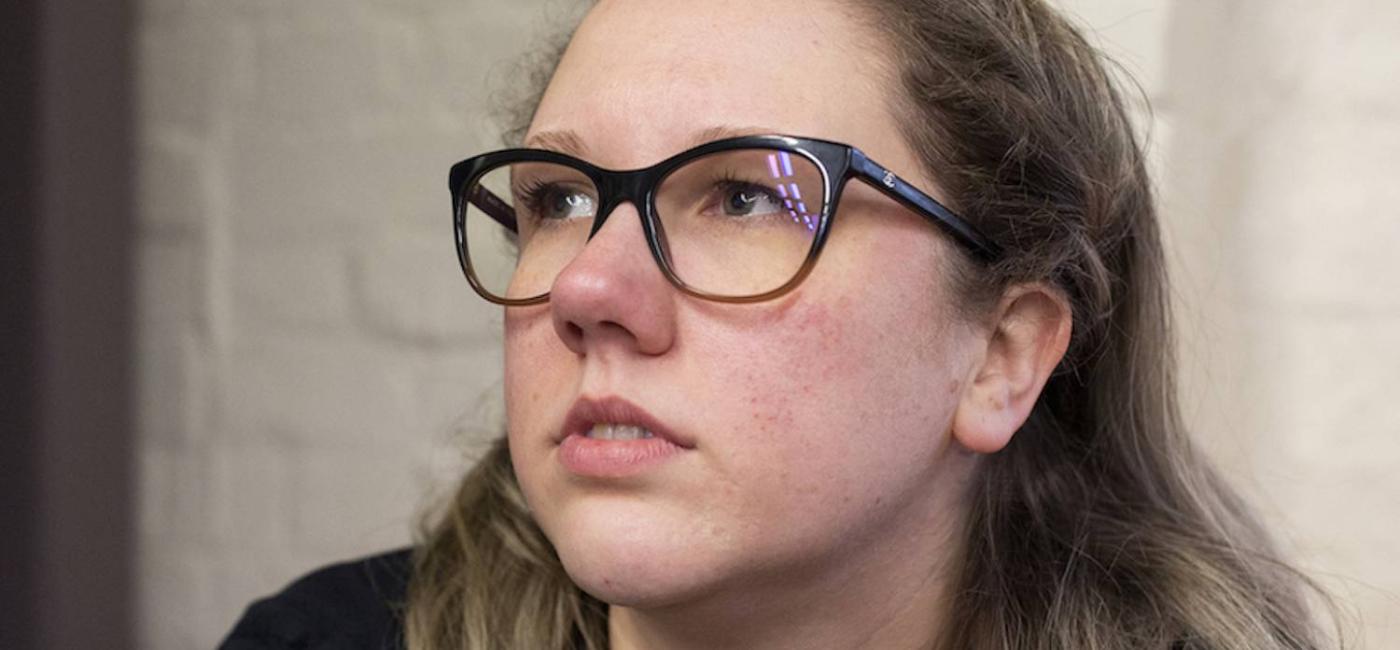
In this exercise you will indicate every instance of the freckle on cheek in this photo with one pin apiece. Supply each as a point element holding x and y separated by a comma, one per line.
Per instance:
<point>817,326</point>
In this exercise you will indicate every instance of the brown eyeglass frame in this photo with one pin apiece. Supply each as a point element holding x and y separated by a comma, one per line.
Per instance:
<point>838,163</point>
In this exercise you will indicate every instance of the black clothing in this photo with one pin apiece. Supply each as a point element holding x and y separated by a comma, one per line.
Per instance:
<point>356,605</point>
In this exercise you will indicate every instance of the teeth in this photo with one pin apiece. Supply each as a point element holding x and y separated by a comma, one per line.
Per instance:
<point>618,432</point>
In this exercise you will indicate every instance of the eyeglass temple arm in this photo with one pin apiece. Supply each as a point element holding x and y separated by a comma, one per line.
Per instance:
<point>493,206</point>
<point>900,190</point>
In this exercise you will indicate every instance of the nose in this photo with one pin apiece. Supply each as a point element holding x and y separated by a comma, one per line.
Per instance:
<point>613,295</point>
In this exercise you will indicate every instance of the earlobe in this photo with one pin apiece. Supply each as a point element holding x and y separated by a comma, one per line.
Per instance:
<point>1029,334</point>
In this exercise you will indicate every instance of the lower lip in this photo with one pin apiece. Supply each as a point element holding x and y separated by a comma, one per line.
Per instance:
<point>614,458</point>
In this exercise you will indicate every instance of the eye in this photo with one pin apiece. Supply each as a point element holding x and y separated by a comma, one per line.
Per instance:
<point>747,199</point>
<point>552,201</point>
<point>566,204</point>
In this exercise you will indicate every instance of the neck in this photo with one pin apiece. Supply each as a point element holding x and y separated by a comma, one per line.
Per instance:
<point>886,620</point>
<point>891,592</point>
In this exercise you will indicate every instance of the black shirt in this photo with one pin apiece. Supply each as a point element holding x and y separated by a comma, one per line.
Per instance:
<point>354,605</point>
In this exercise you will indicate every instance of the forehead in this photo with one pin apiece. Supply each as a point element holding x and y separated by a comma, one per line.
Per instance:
<point>644,79</point>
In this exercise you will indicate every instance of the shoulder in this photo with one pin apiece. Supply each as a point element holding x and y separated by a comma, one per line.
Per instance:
<point>356,604</point>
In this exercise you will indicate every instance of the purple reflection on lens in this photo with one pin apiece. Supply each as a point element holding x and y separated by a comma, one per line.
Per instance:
<point>796,193</point>
<point>782,190</point>
<point>773,165</point>
<point>794,215</point>
<point>787,164</point>
<point>788,203</point>
<point>802,207</point>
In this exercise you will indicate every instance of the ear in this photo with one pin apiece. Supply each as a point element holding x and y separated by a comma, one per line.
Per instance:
<point>1029,334</point>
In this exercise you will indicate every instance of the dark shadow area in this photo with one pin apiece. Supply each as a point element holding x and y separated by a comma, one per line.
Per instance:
<point>66,454</point>
<point>18,157</point>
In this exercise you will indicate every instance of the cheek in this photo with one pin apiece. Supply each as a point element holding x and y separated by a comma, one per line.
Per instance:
<point>855,385</point>
<point>794,364</point>
<point>536,374</point>
<point>522,361</point>
<point>533,351</point>
<point>851,355</point>
<point>837,411</point>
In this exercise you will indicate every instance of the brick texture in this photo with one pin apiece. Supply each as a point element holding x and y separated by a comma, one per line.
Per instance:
<point>1281,195</point>
<point>313,369</point>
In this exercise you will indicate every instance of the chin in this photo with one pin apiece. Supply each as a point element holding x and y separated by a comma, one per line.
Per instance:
<point>639,565</point>
<point>624,581</point>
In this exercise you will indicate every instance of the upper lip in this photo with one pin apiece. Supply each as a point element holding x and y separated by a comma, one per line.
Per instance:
<point>588,411</point>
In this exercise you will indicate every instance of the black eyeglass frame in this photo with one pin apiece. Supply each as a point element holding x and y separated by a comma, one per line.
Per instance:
<point>837,162</point>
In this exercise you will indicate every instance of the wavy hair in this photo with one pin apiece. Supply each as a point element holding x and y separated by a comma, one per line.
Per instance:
<point>1099,525</point>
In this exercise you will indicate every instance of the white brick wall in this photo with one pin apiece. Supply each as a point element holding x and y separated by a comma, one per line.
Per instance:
<point>312,365</point>
<point>1287,144</point>
<point>308,351</point>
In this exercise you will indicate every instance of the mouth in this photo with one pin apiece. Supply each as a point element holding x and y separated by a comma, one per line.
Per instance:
<point>610,438</point>
<point>606,431</point>
<point>616,419</point>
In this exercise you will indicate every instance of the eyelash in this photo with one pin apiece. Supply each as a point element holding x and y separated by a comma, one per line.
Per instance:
<point>730,181</point>
<point>533,193</point>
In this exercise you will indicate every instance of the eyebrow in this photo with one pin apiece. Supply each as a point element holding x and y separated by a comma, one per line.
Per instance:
<point>568,142</point>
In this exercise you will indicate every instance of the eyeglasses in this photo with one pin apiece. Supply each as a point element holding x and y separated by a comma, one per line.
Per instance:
<point>735,220</point>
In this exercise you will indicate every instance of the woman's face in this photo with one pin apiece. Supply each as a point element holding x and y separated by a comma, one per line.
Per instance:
<point>812,431</point>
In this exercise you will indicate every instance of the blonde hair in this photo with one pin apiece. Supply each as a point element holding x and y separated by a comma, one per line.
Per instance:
<point>1099,525</point>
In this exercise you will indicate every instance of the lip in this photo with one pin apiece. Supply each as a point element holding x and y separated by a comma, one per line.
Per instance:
<point>588,411</point>
<point>611,459</point>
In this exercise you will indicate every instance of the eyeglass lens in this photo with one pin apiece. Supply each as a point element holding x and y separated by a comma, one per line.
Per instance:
<point>734,223</point>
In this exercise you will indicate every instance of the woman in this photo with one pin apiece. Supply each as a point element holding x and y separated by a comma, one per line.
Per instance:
<point>901,378</point>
